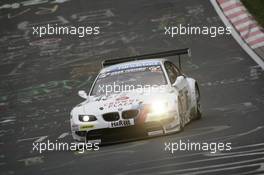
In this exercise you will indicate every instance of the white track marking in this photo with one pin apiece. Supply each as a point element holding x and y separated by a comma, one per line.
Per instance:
<point>14,71</point>
<point>41,139</point>
<point>63,135</point>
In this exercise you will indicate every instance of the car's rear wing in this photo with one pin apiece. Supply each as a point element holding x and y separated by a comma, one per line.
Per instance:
<point>165,54</point>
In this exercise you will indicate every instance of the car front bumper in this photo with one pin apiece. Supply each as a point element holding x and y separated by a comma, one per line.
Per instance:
<point>107,135</point>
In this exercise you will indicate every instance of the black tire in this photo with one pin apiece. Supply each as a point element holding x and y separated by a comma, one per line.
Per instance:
<point>180,114</point>
<point>198,114</point>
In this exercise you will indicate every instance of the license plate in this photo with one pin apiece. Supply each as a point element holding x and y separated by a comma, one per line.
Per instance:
<point>121,123</point>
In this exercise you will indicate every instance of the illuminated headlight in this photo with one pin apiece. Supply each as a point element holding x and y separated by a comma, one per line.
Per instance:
<point>87,118</point>
<point>159,107</point>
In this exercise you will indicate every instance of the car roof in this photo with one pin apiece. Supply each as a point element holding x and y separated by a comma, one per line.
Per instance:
<point>133,63</point>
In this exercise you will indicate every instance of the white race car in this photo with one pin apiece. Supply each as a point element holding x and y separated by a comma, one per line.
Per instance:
<point>135,97</point>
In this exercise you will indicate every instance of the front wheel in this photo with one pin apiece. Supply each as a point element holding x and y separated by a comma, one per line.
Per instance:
<point>180,115</point>
<point>198,104</point>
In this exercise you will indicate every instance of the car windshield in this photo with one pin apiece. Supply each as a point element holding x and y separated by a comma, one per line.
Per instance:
<point>128,79</point>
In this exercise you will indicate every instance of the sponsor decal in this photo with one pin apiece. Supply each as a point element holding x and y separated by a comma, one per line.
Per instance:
<point>95,141</point>
<point>120,103</point>
<point>122,98</point>
<point>86,127</point>
<point>155,133</point>
<point>121,123</point>
<point>135,65</point>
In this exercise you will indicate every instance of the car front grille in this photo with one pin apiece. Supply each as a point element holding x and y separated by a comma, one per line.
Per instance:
<point>109,117</point>
<point>130,114</point>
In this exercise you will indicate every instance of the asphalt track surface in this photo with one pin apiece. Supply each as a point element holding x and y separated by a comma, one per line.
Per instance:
<point>40,78</point>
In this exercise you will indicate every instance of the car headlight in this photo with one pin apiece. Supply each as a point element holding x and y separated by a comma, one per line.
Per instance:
<point>159,107</point>
<point>87,118</point>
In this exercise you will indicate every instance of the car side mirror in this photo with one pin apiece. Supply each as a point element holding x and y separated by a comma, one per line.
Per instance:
<point>178,81</point>
<point>82,94</point>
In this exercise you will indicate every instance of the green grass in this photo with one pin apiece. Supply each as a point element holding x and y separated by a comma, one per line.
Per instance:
<point>256,8</point>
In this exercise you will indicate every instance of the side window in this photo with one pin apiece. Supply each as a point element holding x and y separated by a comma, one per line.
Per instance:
<point>176,69</point>
<point>171,71</point>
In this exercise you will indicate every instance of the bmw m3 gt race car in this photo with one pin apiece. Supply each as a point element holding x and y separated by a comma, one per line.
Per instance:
<point>135,97</point>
